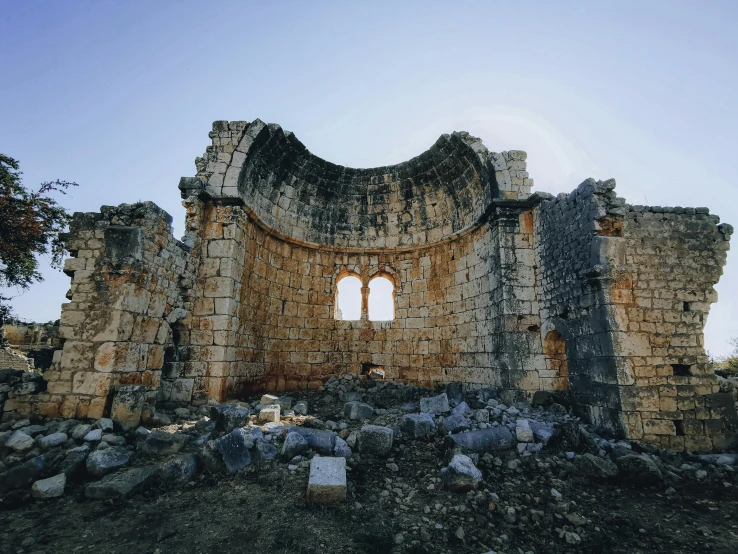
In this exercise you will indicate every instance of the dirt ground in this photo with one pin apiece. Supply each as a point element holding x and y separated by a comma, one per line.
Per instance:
<point>394,505</point>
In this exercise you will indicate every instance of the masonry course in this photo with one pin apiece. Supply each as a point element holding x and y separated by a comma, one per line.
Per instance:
<point>581,295</point>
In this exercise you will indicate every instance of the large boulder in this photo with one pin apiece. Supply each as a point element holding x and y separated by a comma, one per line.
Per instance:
<point>120,484</point>
<point>417,425</point>
<point>102,462</point>
<point>179,470</point>
<point>270,413</point>
<point>461,408</point>
<point>263,452</point>
<point>342,449</point>
<point>461,475</point>
<point>570,437</point>
<point>234,448</point>
<point>375,439</point>
<point>541,431</point>
<point>23,475</point>
<point>229,416</point>
<point>73,464</point>
<point>53,487</point>
<point>454,424</point>
<point>357,410</point>
<point>52,440</point>
<point>294,445</point>
<point>639,470</point>
<point>589,467</point>
<point>435,404</point>
<point>492,439</point>
<point>161,443</point>
<point>455,393</point>
<point>320,440</point>
<point>19,442</point>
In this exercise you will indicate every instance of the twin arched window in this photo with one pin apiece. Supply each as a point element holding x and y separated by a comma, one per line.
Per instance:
<point>380,298</point>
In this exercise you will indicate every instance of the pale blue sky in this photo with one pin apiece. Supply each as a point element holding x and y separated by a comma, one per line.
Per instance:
<point>120,96</point>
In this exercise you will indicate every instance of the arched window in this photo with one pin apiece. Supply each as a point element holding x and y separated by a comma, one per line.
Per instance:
<point>348,298</point>
<point>381,299</point>
<point>554,349</point>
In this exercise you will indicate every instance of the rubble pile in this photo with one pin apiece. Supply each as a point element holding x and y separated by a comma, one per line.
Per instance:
<point>442,462</point>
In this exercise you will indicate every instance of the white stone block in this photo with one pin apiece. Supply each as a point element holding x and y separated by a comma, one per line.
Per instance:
<point>327,482</point>
<point>269,399</point>
<point>269,414</point>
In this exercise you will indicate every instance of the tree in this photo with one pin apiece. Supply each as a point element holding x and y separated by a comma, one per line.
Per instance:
<point>30,225</point>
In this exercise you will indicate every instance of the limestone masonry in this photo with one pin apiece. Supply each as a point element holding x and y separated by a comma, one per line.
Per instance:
<point>579,294</point>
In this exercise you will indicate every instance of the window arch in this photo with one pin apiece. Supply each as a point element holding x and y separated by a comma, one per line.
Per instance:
<point>348,298</point>
<point>381,299</point>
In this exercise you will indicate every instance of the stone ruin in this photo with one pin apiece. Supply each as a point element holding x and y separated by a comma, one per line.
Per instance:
<point>538,296</point>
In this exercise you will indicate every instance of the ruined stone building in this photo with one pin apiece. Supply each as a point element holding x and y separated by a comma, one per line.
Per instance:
<point>491,286</point>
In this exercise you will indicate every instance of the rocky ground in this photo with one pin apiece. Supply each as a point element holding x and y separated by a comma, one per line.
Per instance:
<point>474,475</point>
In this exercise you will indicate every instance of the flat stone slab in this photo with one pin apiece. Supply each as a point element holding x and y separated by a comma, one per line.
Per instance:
<point>120,484</point>
<point>327,481</point>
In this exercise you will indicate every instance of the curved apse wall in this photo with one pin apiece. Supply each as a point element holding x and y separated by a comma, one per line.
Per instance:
<point>430,197</point>
<point>292,223</point>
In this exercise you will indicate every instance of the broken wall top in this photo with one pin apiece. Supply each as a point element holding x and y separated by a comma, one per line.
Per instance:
<point>297,195</point>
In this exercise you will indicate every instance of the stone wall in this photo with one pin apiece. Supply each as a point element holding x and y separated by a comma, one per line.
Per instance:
<point>128,275</point>
<point>674,256</point>
<point>13,360</point>
<point>493,287</point>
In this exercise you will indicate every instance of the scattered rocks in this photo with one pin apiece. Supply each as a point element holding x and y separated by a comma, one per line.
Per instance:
<point>639,470</point>
<point>461,475</point>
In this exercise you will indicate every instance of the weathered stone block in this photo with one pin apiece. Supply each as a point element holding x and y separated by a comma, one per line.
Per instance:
<point>327,481</point>
<point>128,404</point>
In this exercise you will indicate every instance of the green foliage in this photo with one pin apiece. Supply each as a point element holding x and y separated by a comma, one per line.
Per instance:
<point>729,363</point>
<point>30,225</point>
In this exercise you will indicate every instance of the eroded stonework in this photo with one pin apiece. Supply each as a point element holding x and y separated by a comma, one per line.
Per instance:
<point>580,294</point>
